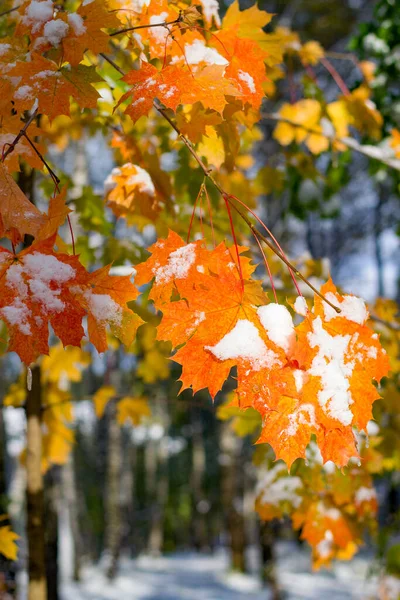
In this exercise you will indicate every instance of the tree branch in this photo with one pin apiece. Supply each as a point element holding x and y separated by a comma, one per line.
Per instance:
<point>367,150</point>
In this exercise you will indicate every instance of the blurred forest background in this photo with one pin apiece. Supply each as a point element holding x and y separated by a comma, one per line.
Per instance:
<point>182,480</point>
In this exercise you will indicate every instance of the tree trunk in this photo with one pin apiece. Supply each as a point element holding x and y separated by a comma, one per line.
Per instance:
<point>113,500</point>
<point>232,496</point>
<point>34,492</point>
<point>268,571</point>
<point>69,494</point>
<point>199,508</point>
<point>51,501</point>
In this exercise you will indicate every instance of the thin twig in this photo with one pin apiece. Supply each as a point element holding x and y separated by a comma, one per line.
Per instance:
<point>10,10</point>
<point>336,76</point>
<point>226,197</point>
<point>11,147</point>
<point>164,24</point>
<point>50,170</point>
<point>364,149</point>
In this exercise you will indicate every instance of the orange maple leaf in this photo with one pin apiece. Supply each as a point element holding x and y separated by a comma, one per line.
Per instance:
<point>52,86</point>
<point>149,83</point>
<point>41,287</point>
<point>18,216</point>
<point>132,192</point>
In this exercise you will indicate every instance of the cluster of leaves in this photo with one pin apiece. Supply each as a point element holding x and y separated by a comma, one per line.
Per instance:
<point>314,379</point>
<point>207,78</point>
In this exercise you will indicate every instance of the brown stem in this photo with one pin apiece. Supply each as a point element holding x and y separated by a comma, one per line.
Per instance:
<point>281,256</point>
<point>225,195</point>
<point>50,170</point>
<point>364,149</point>
<point>10,10</point>
<point>336,76</point>
<point>11,147</point>
<point>164,24</point>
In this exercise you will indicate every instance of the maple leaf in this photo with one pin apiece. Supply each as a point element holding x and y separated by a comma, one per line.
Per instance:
<point>10,126</point>
<point>101,398</point>
<point>311,53</point>
<point>247,23</point>
<point>130,192</point>
<point>132,409</point>
<point>18,216</point>
<point>210,87</point>
<point>246,67</point>
<point>307,113</point>
<point>41,287</point>
<point>105,299</point>
<point>52,86</point>
<point>57,213</point>
<point>86,30</point>
<point>8,547</point>
<point>150,83</point>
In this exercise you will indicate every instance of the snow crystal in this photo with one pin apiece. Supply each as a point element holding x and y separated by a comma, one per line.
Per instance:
<point>324,548</point>
<point>364,494</point>
<point>104,308</point>
<point>47,268</point>
<point>329,364</point>
<point>281,490</point>
<point>304,415</point>
<point>300,306</point>
<point>210,11</point>
<point>200,268</point>
<point>372,428</point>
<point>4,48</point>
<point>178,265</point>
<point>198,52</point>
<point>352,308</point>
<point>278,323</point>
<point>15,280</point>
<point>17,314</point>
<point>24,93</point>
<point>45,296</point>
<point>55,30</point>
<point>300,377</point>
<point>38,13</point>
<point>248,80</point>
<point>143,181</point>
<point>76,23</point>
<point>244,342</point>
<point>159,33</point>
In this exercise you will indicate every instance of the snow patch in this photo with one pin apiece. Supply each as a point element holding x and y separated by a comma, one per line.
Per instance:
<point>198,52</point>
<point>283,489</point>
<point>351,307</point>
<point>300,306</point>
<point>278,323</point>
<point>103,308</point>
<point>248,80</point>
<point>178,265</point>
<point>210,11</point>
<point>38,13</point>
<point>329,364</point>
<point>244,342</point>
<point>364,494</point>
<point>304,415</point>
<point>142,180</point>
<point>77,24</point>
<point>55,31</point>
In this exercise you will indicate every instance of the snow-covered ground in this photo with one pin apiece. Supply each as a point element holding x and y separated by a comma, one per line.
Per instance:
<point>191,576</point>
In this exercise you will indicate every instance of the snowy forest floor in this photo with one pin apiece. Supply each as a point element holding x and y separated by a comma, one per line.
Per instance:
<point>191,576</point>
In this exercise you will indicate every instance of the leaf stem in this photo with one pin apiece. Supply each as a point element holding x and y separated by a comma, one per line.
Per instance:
<point>226,197</point>
<point>11,147</point>
<point>164,24</point>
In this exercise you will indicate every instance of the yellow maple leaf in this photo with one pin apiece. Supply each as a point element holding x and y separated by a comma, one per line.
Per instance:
<point>101,399</point>
<point>8,547</point>
<point>134,409</point>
